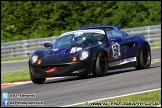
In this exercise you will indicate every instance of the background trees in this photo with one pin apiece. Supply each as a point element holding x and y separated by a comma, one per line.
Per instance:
<point>35,19</point>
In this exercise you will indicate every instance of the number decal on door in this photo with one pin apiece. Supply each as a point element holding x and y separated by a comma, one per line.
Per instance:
<point>116,51</point>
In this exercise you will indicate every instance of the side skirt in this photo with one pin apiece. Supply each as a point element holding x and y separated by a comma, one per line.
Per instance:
<point>132,64</point>
<point>129,62</point>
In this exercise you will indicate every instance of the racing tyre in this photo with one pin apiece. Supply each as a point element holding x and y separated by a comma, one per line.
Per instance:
<point>101,65</point>
<point>37,80</point>
<point>144,58</point>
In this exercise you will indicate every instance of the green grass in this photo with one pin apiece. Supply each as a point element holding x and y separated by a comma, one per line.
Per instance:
<point>14,59</point>
<point>145,99</point>
<point>15,76</point>
<point>155,45</point>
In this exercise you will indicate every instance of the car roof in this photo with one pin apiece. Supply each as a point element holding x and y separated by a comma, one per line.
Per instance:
<point>99,27</point>
<point>86,30</point>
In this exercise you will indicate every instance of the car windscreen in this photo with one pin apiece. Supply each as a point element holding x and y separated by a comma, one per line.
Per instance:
<point>63,41</point>
<point>78,38</point>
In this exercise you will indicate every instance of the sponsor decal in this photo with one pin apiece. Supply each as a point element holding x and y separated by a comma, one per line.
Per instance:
<point>76,72</point>
<point>95,31</point>
<point>75,49</point>
<point>82,31</point>
<point>55,49</point>
<point>51,70</point>
<point>121,62</point>
<point>80,48</point>
<point>116,50</point>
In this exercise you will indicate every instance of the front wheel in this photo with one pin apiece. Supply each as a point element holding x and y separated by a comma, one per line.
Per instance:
<point>144,59</point>
<point>37,80</point>
<point>101,65</point>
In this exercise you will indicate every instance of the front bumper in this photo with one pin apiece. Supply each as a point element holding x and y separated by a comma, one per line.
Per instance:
<point>68,69</point>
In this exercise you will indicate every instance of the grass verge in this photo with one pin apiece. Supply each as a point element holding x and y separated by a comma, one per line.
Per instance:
<point>14,59</point>
<point>149,99</point>
<point>155,45</point>
<point>15,76</point>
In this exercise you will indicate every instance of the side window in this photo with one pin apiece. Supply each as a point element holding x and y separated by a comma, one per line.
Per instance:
<point>113,33</point>
<point>98,36</point>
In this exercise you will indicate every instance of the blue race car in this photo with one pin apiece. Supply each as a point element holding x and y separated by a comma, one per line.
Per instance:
<point>91,49</point>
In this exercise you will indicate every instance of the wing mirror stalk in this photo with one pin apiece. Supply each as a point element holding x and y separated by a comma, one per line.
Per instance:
<point>47,44</point>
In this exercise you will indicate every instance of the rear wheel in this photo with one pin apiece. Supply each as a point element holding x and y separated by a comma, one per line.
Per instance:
<point>37,80</point>
<point>101,65</point>
<point>144,59</point>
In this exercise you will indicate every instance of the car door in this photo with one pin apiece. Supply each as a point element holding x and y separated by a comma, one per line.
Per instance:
<point>118,48</point>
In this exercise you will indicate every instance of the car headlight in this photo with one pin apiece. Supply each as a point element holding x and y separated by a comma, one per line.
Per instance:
<point>83,55</point>
<point>34,58</point>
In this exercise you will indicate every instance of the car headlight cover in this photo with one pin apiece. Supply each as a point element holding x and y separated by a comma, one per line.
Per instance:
<point>34,58</point>
<point>83,55</point>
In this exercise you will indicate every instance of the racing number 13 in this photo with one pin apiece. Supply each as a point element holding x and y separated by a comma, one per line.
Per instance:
<point>116,51</point>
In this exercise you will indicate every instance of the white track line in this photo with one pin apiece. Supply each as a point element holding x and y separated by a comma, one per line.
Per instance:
<point>26,82</point>
<point>111,97</point>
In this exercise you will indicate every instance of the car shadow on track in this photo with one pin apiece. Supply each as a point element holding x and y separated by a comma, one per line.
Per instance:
<point>112,72</point>
<point>126,70</point>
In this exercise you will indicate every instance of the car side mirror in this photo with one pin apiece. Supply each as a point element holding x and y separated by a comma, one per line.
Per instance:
<point>116,39</point>
<point>47,44</point>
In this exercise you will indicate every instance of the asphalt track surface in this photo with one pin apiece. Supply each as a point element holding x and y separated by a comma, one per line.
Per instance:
<point>71,90</point>
<point>18,66</point>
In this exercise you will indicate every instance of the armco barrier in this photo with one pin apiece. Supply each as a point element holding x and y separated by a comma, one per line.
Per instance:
<point>24,48</point>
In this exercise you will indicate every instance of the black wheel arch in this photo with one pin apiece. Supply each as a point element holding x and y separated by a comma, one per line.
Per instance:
<point>138,53</point>
<point>99,51</point>
<point>97,70</point>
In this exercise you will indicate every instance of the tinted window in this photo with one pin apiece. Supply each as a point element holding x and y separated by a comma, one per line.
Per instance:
<point>111,33</point>
<point>63,41</point>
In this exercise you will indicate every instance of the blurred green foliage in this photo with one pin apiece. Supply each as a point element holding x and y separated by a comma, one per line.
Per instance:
<point>35,19</point>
